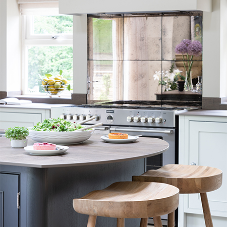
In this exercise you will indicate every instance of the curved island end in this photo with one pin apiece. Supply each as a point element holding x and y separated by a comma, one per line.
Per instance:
<point>48,184</point>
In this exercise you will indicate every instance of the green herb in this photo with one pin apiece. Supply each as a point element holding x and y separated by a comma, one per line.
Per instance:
<point>56,125</point>
<point>17,133</point>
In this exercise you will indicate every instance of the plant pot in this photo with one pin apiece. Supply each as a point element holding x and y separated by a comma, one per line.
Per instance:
<point>180,85</point>
<point>19,143</point>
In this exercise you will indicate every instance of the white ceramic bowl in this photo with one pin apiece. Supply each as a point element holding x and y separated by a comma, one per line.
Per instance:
<point>61,137</point>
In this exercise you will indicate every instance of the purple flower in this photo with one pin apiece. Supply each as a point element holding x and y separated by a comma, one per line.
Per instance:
<point>189,47</point>
<point>182,48</point>
<point>187,42</point>
<point>195,48</point>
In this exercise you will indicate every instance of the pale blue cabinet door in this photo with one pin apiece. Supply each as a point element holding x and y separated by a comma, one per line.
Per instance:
<point>9,187</point>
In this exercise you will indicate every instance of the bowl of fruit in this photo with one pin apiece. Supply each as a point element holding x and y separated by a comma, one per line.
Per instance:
<point>53,85</point>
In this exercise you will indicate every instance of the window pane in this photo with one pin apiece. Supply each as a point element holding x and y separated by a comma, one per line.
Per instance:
<point>53,25</point>
<point>101,80</point>
<point>48,59</point>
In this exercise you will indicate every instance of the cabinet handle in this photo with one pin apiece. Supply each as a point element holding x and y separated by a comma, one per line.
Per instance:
<point>18,200</point>
<point>193,164</point>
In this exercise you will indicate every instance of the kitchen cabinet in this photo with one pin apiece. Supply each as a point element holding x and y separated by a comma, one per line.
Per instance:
<point>27,117</point>
<point>203,141</point>
<point>9,206</point>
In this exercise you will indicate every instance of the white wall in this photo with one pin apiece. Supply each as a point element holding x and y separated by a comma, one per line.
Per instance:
<point>13,46</point>
<point>3,31</point>
<point>211,51</point>
<point>223,49</point>
<point>106,6</point>
<point>80,54</point>
<point>10,46</point>
<point>215,50</point>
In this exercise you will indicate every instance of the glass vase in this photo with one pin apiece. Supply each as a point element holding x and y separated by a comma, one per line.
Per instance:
<point>188,86</point>
<point>199,85</point>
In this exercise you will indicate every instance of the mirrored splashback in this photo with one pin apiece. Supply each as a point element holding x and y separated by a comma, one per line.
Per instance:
<point>132,56</point>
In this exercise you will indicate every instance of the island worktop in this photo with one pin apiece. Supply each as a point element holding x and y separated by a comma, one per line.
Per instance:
<point>46,192</point>
<point>91,152</point>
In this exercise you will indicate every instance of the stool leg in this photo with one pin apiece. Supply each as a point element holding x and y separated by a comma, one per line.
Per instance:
<point>206,210</point>
<point>91,221</point>
<point>171,219</point>
<point>157,221</point>
<point>120,222</point>
<point>143,222</point>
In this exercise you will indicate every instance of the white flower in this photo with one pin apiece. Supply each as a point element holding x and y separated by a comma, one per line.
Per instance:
<point>171,76</point>
<point>176,71</point>
<point>157,75</point>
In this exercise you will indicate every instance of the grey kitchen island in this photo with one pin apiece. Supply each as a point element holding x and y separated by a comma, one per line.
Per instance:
<point>37,191</point>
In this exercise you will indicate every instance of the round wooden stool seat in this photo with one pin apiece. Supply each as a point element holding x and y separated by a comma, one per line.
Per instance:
<point>130,200</point>
<point>189,179</point>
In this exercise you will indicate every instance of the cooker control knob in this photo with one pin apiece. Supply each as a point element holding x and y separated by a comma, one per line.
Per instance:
<point>75,117</point>
<point>69,117</point>
<point>62,116</point>
<point>143,119</point>
<point>136,119</point>
<point>110,118</point>
<point>129,119</point>
<point>97,118</point>
<point>151,119</point>
<point>82,117</point>
<point>158,120</point>
<point>88,116</point>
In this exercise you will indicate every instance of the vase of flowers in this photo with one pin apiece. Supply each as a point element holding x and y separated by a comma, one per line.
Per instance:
<point>188,49</point>
<point>168,79</point>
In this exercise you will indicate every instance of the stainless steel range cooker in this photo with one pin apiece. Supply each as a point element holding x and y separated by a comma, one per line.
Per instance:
<point>141,120</point>
<point>144,120</point>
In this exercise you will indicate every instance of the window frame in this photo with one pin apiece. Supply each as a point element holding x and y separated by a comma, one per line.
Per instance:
<point>29,39</point>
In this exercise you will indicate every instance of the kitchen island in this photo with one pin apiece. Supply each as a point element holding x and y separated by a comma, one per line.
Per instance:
<point>48,184</point>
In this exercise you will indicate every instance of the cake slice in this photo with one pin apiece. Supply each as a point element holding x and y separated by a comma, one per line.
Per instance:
<point>115,135</point>
<point>44,146</point>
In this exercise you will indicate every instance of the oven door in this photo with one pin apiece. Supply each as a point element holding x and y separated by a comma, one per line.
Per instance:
<point>167,134</point>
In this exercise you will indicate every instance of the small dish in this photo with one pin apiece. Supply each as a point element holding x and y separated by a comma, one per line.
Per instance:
<point>59,150</point>
<point>129,140</point>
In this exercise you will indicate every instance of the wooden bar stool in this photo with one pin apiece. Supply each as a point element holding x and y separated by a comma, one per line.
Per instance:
<point>129,200</point>
<point>189,179</point>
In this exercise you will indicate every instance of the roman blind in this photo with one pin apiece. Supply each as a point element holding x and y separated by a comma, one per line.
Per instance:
<point>43,7</point>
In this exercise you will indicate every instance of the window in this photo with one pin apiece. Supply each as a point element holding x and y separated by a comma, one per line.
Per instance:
<point>47,49</point>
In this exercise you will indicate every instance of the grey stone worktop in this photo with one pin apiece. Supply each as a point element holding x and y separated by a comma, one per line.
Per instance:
<point>91,152</point>
<point>208,113</point>
<point>34,106</point>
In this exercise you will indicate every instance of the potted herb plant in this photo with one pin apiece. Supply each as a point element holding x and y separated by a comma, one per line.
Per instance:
<point>17,136</point>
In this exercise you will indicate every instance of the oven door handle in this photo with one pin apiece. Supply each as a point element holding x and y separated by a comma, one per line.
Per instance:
<point>102,128</point>
<point>135,130</point>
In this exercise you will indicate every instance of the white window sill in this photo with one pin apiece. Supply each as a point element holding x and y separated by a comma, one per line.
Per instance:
<point>39,96</point>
